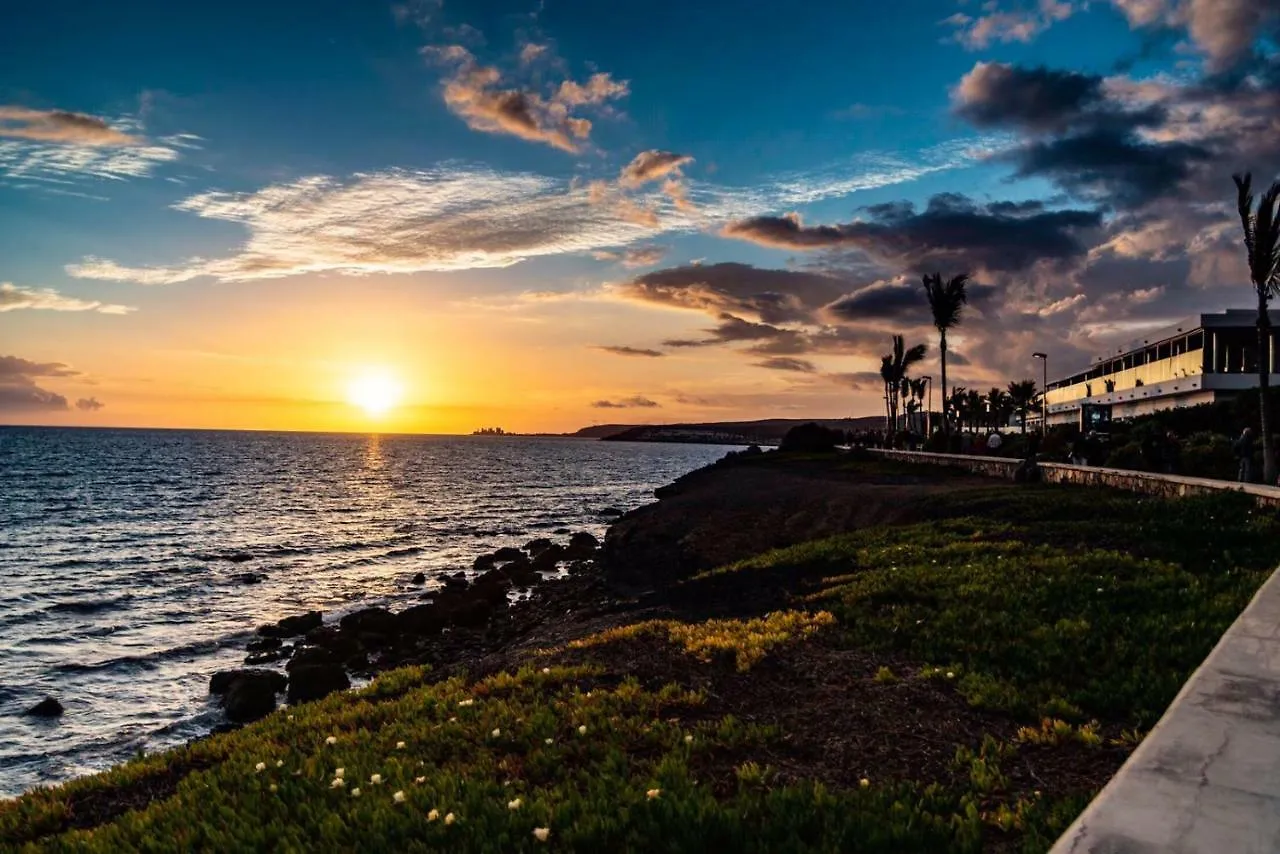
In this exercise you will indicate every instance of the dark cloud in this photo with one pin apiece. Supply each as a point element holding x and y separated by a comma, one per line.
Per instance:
<point>880,301</point>
<point>995,94</point>
<point>953,232</point>
<point>636,402</point>
<point>788,363</point>
<point>60,126</point>
<point>732,329</point>
<point>89,404</point>
<point>775,296</point>
<point>19,391</point>
<point>1111,167</point>
<point>631,351</point>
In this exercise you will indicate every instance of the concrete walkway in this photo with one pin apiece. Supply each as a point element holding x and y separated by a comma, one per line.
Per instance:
<point>1207,778</point>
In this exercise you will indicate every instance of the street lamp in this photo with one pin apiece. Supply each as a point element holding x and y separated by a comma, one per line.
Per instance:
<point>1044,394</point>
<point>928,412</point>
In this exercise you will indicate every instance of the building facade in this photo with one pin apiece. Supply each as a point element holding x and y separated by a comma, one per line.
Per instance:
<point>1203,359</point>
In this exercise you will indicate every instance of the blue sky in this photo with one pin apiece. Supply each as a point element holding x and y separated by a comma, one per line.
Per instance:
<point>171,173</point>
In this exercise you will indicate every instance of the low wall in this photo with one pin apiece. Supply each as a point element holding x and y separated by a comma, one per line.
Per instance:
<point>1147,483</point>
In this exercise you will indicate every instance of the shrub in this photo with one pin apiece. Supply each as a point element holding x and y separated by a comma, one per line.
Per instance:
<point>811,439</point>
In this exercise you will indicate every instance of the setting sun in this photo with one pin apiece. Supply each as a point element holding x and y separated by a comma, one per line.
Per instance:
<point>376,392</point>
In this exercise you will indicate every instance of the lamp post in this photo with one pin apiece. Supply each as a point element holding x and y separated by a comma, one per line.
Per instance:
<point>1044,394</point>
<point>928,412</point>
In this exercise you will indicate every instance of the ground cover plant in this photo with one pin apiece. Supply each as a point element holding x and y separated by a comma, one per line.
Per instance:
<point>962,682</point>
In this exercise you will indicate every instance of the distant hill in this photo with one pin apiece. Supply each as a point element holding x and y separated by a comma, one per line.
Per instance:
<point>765,432</point>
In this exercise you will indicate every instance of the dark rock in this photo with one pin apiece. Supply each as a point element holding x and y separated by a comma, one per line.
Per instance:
<point>457,581</point>
<point>264,645</point>
<point>419,578</point>
<point>583,541</point>
<point>485,562</point>
<point>610,511</point>
<point>525,575</point>
<point>249,698</point>
<point>473,614</point>
<point>221,682</point>
<point>507,553</point>
<point>292,626</point>
<point>537,545</point>
<point>305,656</point>
<point>559,532</point>
<point>268,656</point>
<point>313,681</point>
<point>239,557</point>
<point>250,578</point>
<point>46,708</point>
<point>341,644</point>
<point>422,620</point>
<point>377,621</point>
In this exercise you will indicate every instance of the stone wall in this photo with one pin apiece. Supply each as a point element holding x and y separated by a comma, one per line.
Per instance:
<point>1147,483</point>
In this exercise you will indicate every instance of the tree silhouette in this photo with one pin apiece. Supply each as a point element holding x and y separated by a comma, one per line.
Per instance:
<point>893,370</point>
<point>946,303</point>
<point>1023,396</point>
<point>1262,248</point>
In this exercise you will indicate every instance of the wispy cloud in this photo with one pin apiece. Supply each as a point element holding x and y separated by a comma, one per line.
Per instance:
<point>14,298</point>
<point>631,351</point>
<point>636,402</point>
<point>638,256</point>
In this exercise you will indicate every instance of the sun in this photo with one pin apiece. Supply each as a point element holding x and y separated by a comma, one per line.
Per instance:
<point>375,391</point>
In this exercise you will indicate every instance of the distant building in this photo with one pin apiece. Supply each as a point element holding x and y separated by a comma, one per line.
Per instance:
<point>1203,359</point>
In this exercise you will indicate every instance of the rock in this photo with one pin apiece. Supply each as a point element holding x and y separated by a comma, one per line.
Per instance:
<point>376,621</point>
<point>610,511</point>
<point>341,644</point>
<point>250,578</point>
<point>239,557</point>
<point>526,575</point>
<point>485,562</point>
<point>535,546</point>
<point>560,532</point>
<point>507,553</point>
<point>249,698</point>
<point>583,541</point>
<point>264,645</point>
<point>222,681</point>
<point>313,681</point>
<point>267,657</point>
<point>292,626</point>
<point>46,708</point>
<point>457,581</point>
<point>422,620</point>
<point>473,614</point>
<point>306,656</point>
<point>419,578</point>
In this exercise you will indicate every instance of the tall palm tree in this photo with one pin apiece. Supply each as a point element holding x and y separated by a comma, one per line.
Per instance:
<point>957,405</point>
<point>893,369</point>
<point>946,301</point>
<point>886,374</point>
<point>1262,247</point>
<point>1023,396</point>
<point>917,387</point>
<point>998,401</point>
<point>973,403</point>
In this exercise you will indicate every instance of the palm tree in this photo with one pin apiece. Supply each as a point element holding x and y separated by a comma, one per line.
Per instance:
<point>946,302</point>
<point>1023,395</point>
<point>973,403</point>
<point>1262,247</point>
<point>998,401</point>
<point>957,406</point>
<point>893,370</point>
<point>917,389</point>
<point>886,374</point>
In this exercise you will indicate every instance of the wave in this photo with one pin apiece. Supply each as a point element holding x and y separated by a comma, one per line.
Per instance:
<point>151,660</point>
<point>88,606</point>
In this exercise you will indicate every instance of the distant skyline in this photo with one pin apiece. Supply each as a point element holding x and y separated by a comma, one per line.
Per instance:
<point>437,215</point>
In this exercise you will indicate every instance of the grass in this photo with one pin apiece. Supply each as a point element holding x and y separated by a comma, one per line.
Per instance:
<point>1064,619</point>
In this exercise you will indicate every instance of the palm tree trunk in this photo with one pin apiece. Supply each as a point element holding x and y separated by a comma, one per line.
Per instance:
<point>946,424</point>
<point>1264,382</point>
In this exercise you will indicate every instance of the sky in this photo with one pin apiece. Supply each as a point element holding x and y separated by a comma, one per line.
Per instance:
<point>439,215</point>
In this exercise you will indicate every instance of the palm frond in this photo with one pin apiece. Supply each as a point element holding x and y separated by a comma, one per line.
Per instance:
<point>1244,204</point>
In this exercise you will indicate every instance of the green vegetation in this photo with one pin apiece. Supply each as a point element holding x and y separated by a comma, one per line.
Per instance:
<point>1017,627</point>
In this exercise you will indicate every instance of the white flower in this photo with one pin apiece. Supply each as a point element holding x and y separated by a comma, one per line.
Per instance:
<point>331,740</point>
<point>652,794</point>
<point>399,745</point>
<point>260,767</point>
<point>419,780</point>
<point>466,702</point>
<point>398,797</point>
<point>496,732</point>
<point>376,779</point>
<point>338,772</point>
<point>433,815</point>
<point>549,741</point>
<point>274,787</point>
<point>541,833</point>
<point>289,717</point>
<point>950,675</point>
<point>279,763</point>
<point>546,670</point>
<point>449,819</point>
<point>355,793</point>
<point>514,805</point>
<point>688,739</point>
<point>864,783</point>
<point>582,730</point>
<point>337,783</point>
<point>453,720</point>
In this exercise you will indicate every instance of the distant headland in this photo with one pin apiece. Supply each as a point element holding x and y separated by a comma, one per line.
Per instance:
<point>767,431</point>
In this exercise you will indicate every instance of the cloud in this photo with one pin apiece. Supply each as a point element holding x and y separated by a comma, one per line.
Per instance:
<point>60,126</point>
<point>859,112</point>
<point>531,52</point>
<point>19,391</point>
<point>630,351</point>
<point>788,363</point>
<point>995,94</point>
<point>452,218</point>
<point>882,300</point>
<point>636,402</point>
<point>14,298</point>
<point>952,232</point>
<point>1224,30</point>
<point>89,404</point>
<point>639,256</point>
<point>652,165</point>
<point>775,296</point>
<point>475,93</point>
<point>1002,26</point>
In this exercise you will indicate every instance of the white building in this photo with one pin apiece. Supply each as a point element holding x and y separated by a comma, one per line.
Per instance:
<point>1201,360</point>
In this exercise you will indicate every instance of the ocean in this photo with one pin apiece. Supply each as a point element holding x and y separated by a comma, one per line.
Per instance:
<point>124,554</point>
